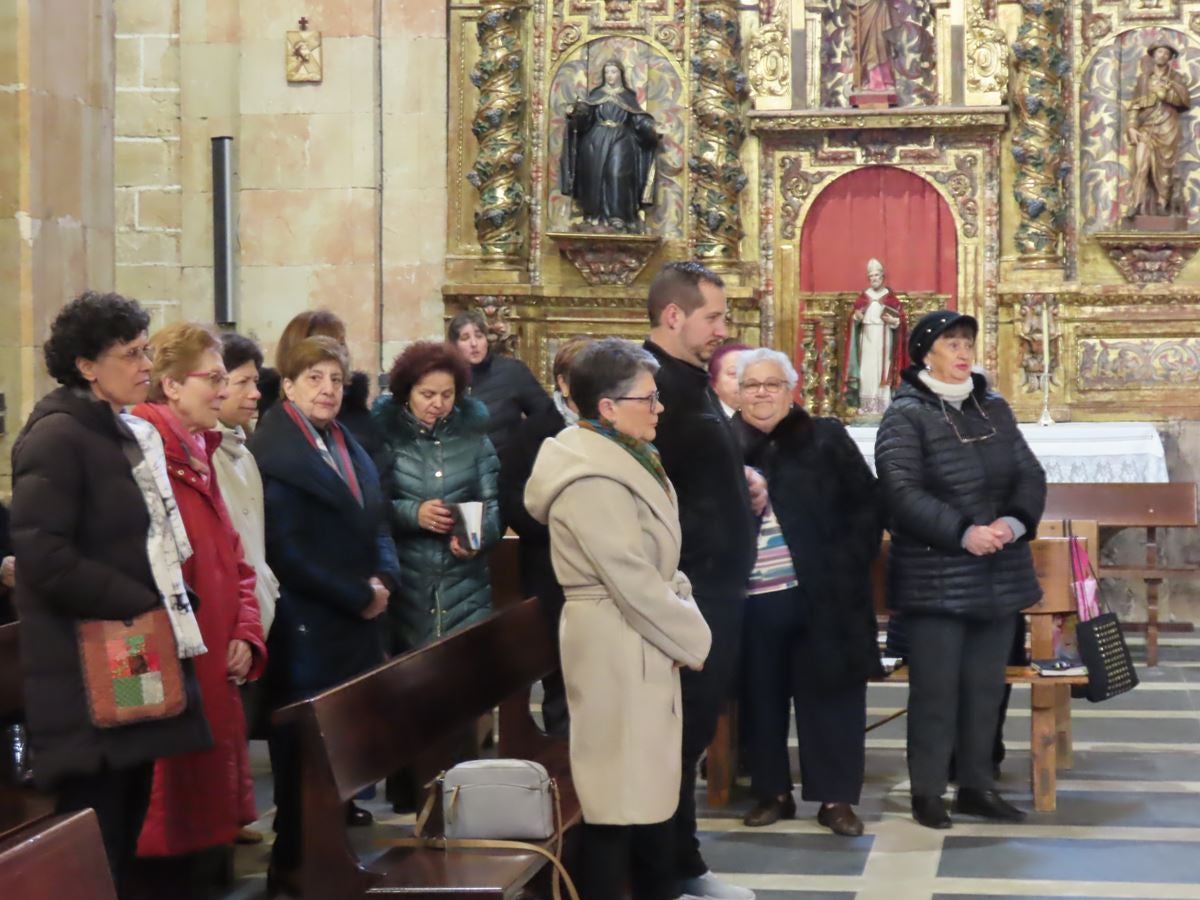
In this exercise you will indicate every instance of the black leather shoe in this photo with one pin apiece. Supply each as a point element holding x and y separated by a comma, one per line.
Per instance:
<point>840,819</point>
<point>930,812</point>
<point>357,817</point>
<point>768,812</point>
<point>988,804</point>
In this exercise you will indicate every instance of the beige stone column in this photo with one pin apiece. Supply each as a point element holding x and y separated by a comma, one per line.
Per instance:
<point>414,103</point>
<point>56,181</point>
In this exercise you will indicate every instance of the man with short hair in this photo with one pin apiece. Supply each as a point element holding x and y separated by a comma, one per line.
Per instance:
<point>718,502</point>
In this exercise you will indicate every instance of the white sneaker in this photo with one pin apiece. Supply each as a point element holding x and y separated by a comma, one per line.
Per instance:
<point>709,887</point>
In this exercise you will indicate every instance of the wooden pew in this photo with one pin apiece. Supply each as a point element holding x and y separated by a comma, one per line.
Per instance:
<point>1050,718</point>
<point>18,805</point>
<point>1149,506</point>
<point>356,734</point>
<point>56,858</point>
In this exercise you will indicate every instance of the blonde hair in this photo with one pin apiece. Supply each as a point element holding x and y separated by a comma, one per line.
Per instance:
<point>176,351</point>
<point>311,351</point>
<point>310,323</point>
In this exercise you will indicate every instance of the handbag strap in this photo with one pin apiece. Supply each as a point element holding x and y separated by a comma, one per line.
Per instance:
<point>443,843</point>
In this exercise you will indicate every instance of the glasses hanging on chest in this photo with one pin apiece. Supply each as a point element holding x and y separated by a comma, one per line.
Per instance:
<point>971,439</point>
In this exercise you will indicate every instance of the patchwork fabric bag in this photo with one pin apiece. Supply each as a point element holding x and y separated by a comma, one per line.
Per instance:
<point>131,669</point>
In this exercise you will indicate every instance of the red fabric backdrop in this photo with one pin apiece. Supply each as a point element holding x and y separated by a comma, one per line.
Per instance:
<point>886,213</point>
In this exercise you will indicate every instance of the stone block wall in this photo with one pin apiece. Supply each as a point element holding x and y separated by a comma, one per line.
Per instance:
<point>56,182</point>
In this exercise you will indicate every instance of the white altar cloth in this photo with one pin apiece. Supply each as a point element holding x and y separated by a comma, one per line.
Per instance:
<point>1078,451</point>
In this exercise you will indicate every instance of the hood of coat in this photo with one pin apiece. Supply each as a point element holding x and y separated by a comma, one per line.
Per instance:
<point>912,386</point>
<point>468,417</point>
<point>576,454</point>
<point>80,405</point>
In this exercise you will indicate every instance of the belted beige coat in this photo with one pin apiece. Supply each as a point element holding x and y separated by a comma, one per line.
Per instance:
<point>628,623</point>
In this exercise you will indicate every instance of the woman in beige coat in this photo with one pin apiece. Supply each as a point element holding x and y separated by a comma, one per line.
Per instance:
<point>628,623</point>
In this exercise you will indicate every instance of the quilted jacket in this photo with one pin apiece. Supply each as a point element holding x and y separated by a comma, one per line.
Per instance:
<point>937,482</point>
<point>454,461</point>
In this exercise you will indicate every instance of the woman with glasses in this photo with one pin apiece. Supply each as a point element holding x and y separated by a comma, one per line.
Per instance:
<point>81,525</point>
<point>963,495</point>
<point>809,625</point>
<point>202,800</point>
<point>437,455</point>
<point>628,624</point>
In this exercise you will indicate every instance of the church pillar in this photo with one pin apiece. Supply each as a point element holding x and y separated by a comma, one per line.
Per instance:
<point>718,94</point>
<point>56,182</point>
<point>1041,66</point>
<point>499,126</point>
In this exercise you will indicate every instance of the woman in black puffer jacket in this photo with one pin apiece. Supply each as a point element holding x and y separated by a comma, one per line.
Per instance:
<point>963,495</point>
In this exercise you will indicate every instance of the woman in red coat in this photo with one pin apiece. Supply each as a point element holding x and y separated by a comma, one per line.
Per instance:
<point>201,800</point>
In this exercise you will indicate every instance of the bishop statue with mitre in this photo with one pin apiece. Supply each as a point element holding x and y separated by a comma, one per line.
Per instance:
<point>875,350</point>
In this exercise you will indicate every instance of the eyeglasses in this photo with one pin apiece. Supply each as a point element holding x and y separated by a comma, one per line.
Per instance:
<point>651,399</point>
<point>774,386</point>
<point>216,378</point>
<point>134,354</point>
<point>969,440</point>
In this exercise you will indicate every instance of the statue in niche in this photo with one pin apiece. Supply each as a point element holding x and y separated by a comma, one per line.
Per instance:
<point>875,349</point>
<point>873,24</point>
<point>608,160</point>
<point>1156,201</point>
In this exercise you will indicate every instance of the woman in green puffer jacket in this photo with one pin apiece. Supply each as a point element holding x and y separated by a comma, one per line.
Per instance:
<point>437,453</point>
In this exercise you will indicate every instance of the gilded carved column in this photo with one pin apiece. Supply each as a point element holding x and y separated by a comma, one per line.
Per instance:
<point>499,127</point>
<point>1040,66</point>
<point>717,98</point>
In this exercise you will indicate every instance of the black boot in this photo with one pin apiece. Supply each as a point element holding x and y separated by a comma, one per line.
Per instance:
<point>988,804</point>
<point>930,812</point>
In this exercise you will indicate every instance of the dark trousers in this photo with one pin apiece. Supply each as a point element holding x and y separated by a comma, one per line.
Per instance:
<point>613,856</point>
<point>704,694</point>
<point>284,746</point>
<point>120,798</point>
<point>956,685</point>
<point>555,719</point>
<point>830,724</point>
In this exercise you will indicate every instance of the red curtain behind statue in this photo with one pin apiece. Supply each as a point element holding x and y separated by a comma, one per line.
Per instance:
<point>886,213</point>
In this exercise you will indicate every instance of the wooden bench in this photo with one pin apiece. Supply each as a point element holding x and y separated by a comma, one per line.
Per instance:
<point>18,805</point>
<point>56,858</point>
<point>1149,506</point>
<point>356,734</point>
<point>1050,730</point>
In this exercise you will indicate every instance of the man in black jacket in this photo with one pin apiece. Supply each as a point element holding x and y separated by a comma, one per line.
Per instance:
<point>718,502</point>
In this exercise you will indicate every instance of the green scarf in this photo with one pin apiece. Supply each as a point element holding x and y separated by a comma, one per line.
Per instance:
<point>643,451</point>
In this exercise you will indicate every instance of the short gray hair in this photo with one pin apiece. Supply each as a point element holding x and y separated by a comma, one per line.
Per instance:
<point>606,368</point>
<point>767,355</point>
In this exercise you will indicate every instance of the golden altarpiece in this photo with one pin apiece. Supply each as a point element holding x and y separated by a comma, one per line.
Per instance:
<point>1016,124</point>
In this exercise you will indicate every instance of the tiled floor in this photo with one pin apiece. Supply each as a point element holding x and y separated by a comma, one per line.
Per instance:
<point>1127,823</point>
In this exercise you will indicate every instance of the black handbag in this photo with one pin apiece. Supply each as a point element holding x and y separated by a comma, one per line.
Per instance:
<point>1103,650</point>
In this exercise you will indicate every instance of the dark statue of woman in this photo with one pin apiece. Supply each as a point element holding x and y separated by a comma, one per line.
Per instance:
<point>608,154</point>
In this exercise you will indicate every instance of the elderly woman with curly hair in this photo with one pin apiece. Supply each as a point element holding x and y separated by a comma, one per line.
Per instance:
<point>81,524</point>
<point>437,455</point>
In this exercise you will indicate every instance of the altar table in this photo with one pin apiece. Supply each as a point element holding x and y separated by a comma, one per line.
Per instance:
<point>1078,451</point>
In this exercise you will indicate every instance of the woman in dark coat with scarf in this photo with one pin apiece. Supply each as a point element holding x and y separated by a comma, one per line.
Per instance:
<point>963,495</point>
<point>329,546</point>
<point>810,634</point>
<point>437,453</point>
<point>80,526</point>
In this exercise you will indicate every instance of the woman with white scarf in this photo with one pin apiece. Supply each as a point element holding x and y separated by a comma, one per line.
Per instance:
<point>963,494</point>
<point>97,539</point>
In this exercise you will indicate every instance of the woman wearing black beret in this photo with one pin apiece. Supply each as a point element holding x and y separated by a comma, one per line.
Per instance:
<point>963,494</point>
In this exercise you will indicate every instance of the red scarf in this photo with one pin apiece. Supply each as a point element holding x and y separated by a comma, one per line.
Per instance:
<point>339,459</point>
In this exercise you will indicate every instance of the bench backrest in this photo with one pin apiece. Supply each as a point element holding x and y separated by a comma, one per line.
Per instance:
<point>369,727</point>
<point>12,700</point>
<point>57,858</point>
<point>1170,505</point>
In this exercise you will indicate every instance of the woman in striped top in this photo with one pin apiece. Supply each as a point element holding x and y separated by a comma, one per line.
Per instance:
<point>810,634</point>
